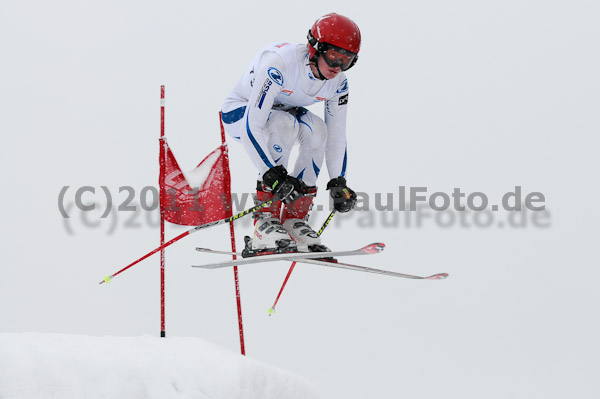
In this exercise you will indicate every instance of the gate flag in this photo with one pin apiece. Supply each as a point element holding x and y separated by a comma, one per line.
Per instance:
<point>199,196</point>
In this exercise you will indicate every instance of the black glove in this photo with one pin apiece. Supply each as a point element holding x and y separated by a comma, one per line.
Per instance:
<point>286,188</point>
<point>344,198</point>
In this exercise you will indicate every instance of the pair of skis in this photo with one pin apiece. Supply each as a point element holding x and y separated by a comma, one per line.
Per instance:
<point>316,258</point>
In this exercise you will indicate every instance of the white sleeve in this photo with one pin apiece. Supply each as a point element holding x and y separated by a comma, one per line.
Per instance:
<point>336,109</point>
<point>268,82</point>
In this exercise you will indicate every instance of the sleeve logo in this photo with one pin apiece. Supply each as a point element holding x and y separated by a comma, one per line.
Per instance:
<point>275,75</point>
<point>343,86</point>
<point>343,99</point>
<point>263,93</point>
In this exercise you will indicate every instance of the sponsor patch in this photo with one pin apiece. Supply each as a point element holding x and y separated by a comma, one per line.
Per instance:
<point>277,148</point>
<point>263,93</point>
<point>275,75</point>
<point>343,86</point>
<point>343,99</point>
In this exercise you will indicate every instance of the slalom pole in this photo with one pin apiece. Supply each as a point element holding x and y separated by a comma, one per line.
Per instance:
<point>236,279</point>
<point>272,308</point>
<point>107,279</point>
<point>161,177</point>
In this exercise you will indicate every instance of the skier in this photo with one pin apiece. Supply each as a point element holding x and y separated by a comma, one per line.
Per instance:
<point>265,112</point>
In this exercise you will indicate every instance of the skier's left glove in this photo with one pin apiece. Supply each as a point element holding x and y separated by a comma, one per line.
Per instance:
<point>344,198</point>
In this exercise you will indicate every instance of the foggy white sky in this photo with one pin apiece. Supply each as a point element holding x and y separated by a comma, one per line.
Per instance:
<point>478,95</point>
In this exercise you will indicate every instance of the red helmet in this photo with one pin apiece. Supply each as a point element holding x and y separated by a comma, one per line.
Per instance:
<point>337,33</point>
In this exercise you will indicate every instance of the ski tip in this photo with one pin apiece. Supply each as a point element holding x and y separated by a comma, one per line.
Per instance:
<point>373,248</point>
<point>440,276</point>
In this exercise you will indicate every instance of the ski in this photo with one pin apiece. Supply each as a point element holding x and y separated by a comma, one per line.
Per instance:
<point>439,276</point>
<point>216,251</point>
<point>292,256</point>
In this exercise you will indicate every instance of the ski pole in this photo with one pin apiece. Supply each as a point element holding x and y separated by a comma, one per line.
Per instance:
<point>193,230</point>
<point>272,309</point>
<point>326,223</point>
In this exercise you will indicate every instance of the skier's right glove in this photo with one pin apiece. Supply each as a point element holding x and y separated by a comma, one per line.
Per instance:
<point>344,198</point>
<point>285,187</point>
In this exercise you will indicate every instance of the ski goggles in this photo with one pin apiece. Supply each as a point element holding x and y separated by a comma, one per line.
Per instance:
<point>335,56</point>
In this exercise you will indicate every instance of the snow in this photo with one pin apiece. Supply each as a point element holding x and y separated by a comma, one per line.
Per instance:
<point>198,175</point>
<point>37,365</point>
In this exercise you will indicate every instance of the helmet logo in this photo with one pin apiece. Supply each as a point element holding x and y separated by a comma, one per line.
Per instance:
<point>319,27</point>
<point>275,75</point>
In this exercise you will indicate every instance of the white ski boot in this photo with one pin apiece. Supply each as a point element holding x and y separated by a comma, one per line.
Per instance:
<point>294,217</point>
<point>269,235</point>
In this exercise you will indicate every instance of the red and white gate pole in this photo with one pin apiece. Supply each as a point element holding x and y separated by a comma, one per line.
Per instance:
<point>232,233</point>
<point>162,211</point>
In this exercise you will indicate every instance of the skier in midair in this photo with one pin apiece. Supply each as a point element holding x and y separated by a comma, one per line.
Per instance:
<point>265,112</point>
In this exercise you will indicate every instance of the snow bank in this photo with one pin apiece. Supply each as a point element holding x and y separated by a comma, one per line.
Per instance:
<point>35,365</point>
